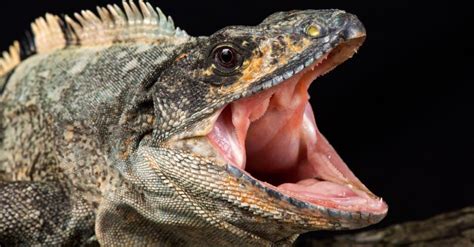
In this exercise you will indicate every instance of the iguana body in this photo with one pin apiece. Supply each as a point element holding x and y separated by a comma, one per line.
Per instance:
<point>123,129</point>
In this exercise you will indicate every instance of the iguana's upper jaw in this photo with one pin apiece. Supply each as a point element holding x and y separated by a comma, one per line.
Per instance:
<point>272,136</point>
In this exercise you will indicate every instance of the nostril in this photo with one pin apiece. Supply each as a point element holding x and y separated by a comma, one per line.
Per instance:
<point>348,25</point>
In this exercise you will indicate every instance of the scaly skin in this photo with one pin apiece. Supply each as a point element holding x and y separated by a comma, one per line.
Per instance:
<point>99,140</point>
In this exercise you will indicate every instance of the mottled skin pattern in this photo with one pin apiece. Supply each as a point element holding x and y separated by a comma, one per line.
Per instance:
<point>89,141</point>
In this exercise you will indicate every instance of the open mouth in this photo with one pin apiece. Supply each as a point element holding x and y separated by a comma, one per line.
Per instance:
<point>273,137</point>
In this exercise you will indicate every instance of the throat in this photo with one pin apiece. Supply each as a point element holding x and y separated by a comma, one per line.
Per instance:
<point>277,147</point>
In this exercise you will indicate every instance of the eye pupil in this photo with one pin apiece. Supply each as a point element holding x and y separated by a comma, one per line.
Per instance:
<point>226,59</point>
<point>226,56</point>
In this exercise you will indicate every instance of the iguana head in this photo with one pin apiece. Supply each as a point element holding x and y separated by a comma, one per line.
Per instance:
<point>247,119</point>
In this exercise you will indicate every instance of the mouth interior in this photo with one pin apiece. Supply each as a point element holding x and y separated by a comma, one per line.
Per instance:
<point>273,136</point>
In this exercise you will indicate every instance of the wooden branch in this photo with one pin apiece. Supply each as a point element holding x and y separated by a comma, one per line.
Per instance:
<point>448,229</point>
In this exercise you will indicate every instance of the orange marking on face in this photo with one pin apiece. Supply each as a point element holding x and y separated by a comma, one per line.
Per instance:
<point>255,66</point>
<point>298,47</point>
<point>259,65</point>
<point>253,70</point>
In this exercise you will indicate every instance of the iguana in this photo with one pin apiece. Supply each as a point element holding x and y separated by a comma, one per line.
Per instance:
<point>119,128</point>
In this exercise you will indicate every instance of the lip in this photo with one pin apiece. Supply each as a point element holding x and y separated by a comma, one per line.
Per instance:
<point>273,192</point>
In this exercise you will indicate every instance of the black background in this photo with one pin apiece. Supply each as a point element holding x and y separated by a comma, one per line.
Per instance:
<point>399,112</point>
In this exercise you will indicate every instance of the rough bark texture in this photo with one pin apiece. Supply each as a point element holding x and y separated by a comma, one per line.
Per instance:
<point>448,229</point>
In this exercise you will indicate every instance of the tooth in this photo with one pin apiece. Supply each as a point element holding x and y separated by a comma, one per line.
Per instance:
<point>309,62</point>
<point>288,74</point>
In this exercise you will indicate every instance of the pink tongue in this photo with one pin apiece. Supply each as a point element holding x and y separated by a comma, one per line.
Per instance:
<point>318,189</point>
<point>328,194</point>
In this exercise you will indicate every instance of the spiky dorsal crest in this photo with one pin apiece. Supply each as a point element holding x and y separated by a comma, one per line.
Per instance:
<point>10,58</point>
<point>132,23</point>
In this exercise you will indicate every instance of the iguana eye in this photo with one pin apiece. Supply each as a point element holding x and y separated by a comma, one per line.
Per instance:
<point>227,59</point>
<point>313,30</point>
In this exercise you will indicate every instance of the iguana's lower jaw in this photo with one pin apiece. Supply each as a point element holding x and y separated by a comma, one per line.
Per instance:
<point>273,137</point>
